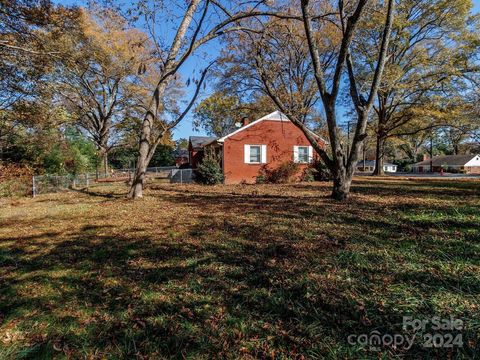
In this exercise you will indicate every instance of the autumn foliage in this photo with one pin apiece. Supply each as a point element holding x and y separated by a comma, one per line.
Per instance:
<point>15,180</point>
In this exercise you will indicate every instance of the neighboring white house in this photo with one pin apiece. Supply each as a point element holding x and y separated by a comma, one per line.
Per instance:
<point>467,164</point>
<point>369,166</point>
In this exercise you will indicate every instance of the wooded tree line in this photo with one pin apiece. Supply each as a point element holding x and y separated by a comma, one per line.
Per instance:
<point>74,84</point>
<point>400,71</point>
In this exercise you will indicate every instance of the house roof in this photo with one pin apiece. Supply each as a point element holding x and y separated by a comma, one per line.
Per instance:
<point>199,142</point>
<point>372,163</point>
<point>449,160</point>
<point>274,116</point>
<point>180,153</point>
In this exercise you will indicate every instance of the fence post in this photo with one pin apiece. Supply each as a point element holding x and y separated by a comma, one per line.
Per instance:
<point>33,187</point>
<point>87,180</point>
<point>181,176</point>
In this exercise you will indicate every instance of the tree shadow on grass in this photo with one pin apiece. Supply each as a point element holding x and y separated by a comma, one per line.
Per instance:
<point>137,295</point>
<point>416,188</point>
<point>100,193</point>
<point>225,287</point>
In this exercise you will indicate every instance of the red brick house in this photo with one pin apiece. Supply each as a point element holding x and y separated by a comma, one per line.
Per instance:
<point>266,142</point>
<point>465,164</point>
<point>196,145</point>
<point>181,157</point>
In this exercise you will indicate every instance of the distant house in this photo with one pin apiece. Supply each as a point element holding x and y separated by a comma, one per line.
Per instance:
<point>266,142</point>
<point>466,164</point>
<point>196,147</point>
<point>181,157</point>
<point>369,166</point>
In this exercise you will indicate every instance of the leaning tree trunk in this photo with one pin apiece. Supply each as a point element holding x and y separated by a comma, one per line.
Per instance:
<point>138,183</point>
<point>148,143</point>
<point>136,190</point>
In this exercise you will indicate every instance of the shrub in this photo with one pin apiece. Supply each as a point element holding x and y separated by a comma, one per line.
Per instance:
<point>309,174</point>
<point>260,179</point>
<point>404,164</point>
<point>317,171</point>
<point>15,180</point>
<point>284,173</point>
<point>209,171</point>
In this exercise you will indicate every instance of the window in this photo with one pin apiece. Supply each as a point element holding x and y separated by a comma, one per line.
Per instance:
<point>302,154</point>
<point>255,154</point>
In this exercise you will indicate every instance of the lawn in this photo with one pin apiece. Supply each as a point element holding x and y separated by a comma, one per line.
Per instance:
<point>259,271</point>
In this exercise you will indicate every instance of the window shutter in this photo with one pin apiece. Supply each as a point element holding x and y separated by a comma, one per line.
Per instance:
<point>310,154</point>
<point>264,154</point>
<point>295,154</point>
<point>247,154</point>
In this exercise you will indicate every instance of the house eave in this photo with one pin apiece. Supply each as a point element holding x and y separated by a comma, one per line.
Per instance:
<point>275,116</point>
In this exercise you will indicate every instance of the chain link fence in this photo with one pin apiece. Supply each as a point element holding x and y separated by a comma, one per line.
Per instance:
<point>45,184</point>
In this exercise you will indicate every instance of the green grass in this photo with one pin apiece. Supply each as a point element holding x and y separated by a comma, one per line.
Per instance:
<point>263,271</point>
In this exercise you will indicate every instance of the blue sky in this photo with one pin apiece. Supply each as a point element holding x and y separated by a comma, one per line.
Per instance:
<point>185,128</point>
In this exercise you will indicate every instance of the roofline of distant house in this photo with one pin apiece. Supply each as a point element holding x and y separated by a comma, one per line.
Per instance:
<point>428,161</point>
<point>450,166</point>
<point>269,117</point>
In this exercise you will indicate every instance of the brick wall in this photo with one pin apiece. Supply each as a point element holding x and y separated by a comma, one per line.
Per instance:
<point>279,136</point>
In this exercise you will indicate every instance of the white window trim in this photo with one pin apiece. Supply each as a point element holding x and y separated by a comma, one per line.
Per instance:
<point>296,153</point>
<point>263,154</point>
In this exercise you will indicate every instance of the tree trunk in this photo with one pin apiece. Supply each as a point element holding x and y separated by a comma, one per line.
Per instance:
<point>136,190</point>
<point>378,171</point>
<point>455,149</point>
<point>343,170</point>
<point>105,162</point>
<point>341,186</point>
<point>147,150</point>
<point>148,145</point>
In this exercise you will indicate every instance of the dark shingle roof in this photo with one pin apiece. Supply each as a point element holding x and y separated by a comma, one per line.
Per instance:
<point>452,160</point>
<point>180,153</point>
<point>199,142</point>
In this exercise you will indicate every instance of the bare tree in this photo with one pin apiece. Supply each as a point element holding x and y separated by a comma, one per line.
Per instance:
<point>342,160</point>
<point>194,29</point>
<point>430,45</point>
<point>275,49</point>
